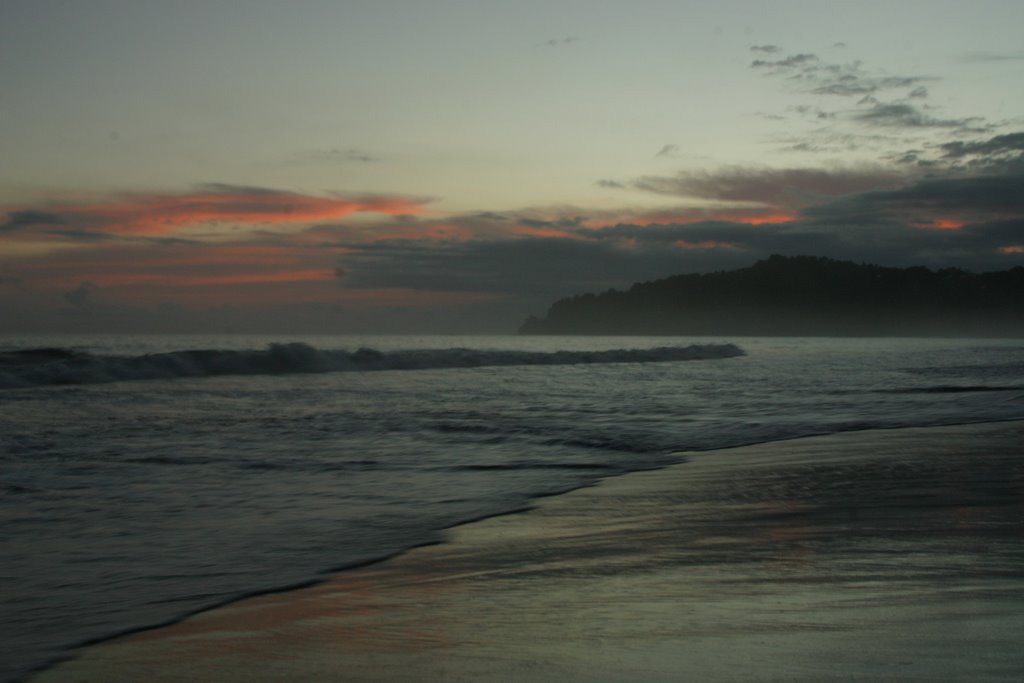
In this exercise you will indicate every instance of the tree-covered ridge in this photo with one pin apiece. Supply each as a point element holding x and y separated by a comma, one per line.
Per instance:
<point>801,295</point>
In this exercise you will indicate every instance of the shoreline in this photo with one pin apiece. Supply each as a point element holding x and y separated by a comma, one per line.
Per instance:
<point>550,530</point>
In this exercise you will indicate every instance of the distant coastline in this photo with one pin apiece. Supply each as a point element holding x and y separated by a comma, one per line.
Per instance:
<point>801,296</point>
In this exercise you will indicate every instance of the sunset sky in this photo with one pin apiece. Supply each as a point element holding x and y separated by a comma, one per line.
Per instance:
<point>452,166</point>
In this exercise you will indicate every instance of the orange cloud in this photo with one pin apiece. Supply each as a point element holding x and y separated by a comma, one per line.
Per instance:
<point>1013,249</point>
<point>530,231</point>
<point>762,219</point>
<point>758,216</point>
<point>940,224</point>
<point>162,214</point>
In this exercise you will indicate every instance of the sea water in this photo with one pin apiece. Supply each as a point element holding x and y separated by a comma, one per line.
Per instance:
<point>145,478</point>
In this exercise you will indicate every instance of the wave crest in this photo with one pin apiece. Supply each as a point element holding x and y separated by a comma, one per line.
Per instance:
<point>41,367</point>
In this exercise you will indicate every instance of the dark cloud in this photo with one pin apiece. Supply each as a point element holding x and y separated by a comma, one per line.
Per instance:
<point>848,83</point>
<point>809,73</point>
<point>882,101</point>
<point>922,206</point>
<point>19,220</point>
<point>1001,154</point>
<point>902,115</point>
<point>11,281</point>
<point>904,223</point>
<point>140,215</point>
<point>767,49</point>
<point>226,188</point>
<point>668,151</point>
<point>1000,145</point>
<point>799,60</point>
<point>493,268</point>
<point>528,268</point>
<point>995,194</point>
<point>164,241</point>
<point>792,186</point>
<point>78,235</point>
<point>335,155</point>
<point>562,223</point>
<point>890,118</point>
<point>613,184</point>
<point>815,112</point>
<point>804,146</point>
<point>80,295</point>
<point>490,216</point>
<point>540,270</point>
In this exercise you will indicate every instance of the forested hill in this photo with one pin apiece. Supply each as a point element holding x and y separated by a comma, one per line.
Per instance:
<point>801,295</point>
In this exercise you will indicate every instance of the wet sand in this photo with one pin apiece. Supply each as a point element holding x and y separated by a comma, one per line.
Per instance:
<point>865,556</point>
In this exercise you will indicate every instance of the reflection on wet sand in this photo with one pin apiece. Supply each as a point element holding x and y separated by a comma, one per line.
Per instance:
<point>861,556</point>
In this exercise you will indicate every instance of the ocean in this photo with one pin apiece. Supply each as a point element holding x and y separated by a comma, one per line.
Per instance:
<point>144,478</point>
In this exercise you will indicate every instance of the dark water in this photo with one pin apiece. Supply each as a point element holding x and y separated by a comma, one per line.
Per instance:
<point>145,478</point>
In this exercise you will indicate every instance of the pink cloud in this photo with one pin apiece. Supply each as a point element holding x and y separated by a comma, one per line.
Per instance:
<point>164,214</point>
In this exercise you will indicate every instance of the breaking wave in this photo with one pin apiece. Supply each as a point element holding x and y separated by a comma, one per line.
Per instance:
<point>53,366</point>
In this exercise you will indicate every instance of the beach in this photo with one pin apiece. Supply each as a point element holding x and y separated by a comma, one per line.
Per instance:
<point>871,555</point>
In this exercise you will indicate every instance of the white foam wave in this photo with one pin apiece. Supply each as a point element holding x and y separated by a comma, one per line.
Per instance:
<point>40,367</point>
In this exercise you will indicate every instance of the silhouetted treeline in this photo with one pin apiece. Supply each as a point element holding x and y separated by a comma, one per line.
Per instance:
<point>802,296</point>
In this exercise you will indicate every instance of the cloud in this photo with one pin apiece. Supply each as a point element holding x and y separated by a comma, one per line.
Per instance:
<point>767,49</point>
<point>668,151</point>
<point>11,281</point>
<point>535,269</point>
<point>335,155</point>
<point>80,295</point>
<point>809,73</point>
<point>933,202</point>
<point>493,263</point>
<point>172,267</point>
<point>999,155</point>
<point>798,60</point>
<point>974,222</point>
<point>611,184</point>
<point>758,215</point>
<point>998,148</point>
<point>902,115</point>
<point>849,84</point>
<point>532,268</point>
<point>555,42</point>
<point>19,220</point>
<point>882,113</point>
<point>778,187</point>
<point>164,214</point>
<point>815,112</point>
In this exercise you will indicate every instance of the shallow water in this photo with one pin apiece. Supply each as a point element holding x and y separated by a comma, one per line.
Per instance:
<point>130,503</point>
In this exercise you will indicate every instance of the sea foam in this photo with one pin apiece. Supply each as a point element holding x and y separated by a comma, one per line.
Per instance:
<point>54,366</point>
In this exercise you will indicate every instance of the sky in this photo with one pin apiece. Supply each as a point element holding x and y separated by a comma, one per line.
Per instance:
<point>451,166</point>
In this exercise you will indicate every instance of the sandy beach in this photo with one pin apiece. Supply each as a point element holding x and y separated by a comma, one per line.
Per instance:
<point>875,555</point>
